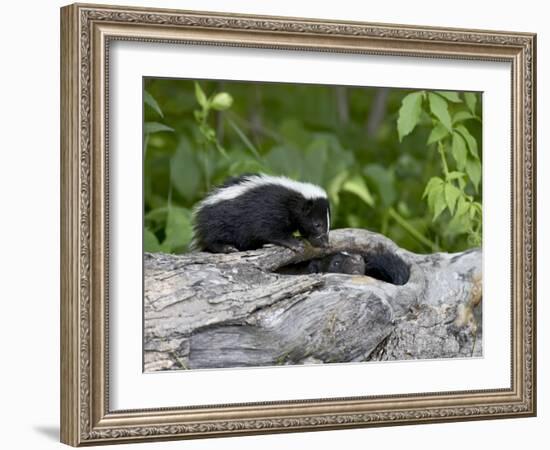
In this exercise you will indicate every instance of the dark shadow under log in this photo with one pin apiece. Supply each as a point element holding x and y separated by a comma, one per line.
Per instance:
<point>206,310</point>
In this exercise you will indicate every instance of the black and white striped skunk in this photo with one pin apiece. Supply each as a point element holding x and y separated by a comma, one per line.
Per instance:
<point>252,210</point>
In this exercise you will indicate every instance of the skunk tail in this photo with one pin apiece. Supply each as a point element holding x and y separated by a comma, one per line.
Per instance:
<point>387,267</point>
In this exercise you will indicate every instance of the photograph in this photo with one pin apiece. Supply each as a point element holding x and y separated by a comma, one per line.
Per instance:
<point>288,223</point>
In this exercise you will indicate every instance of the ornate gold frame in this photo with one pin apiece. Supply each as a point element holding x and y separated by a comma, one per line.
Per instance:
<point>86,31</point>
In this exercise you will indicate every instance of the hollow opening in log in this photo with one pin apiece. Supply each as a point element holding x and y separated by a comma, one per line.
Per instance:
<point>382,266</point>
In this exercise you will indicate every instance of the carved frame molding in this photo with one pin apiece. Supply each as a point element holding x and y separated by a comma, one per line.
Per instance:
<point>86,31</point>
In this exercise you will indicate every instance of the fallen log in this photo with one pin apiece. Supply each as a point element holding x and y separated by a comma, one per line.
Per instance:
<point>242,309</point>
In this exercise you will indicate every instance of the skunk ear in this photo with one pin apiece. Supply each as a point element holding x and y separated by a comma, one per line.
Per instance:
<point>308,206</point>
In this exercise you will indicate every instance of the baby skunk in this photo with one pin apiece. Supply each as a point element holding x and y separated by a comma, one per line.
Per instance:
<point>379,264</point>
<point>341,262</point>
<point>252,210</point>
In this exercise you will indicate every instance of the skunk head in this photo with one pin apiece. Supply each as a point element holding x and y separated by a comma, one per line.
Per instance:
<point>341,262</point>
<point>349,263</point>
<point>314,221</point>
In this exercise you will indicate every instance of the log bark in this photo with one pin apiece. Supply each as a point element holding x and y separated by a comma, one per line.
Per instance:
<point>204,310</point>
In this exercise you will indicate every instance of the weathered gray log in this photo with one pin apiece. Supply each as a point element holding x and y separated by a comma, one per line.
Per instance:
<point>206,310</point>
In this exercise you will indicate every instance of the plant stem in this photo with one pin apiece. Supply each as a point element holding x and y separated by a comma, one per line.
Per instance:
<point>413,231</point>
<point>206,168</point>
<point>441,150</point>
<point>260,129</point>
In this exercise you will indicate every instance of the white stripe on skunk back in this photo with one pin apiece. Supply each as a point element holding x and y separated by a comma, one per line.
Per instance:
<point>307,190</point>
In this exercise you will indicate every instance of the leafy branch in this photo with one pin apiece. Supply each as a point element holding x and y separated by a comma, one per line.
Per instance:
<point>457,189</point>
<point>176,224</point>
<point>218,102</point>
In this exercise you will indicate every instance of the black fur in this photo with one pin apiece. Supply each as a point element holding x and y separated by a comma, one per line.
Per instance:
<point>349,263</point>
<point>387,267</point>
<point>266,214</point>
<point>378,264</point>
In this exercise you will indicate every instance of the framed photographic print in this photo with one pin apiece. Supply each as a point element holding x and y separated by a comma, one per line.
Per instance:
<point>276,224</point>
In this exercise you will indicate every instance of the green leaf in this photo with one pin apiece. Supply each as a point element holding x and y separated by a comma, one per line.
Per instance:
<point>150,242</point>
<point>293,132</point>
<point>356,185</point>
<point>455,175</point>
<point>471,101</point>
<point>155,219</point>
<point>155,127</point>
<point>434,183</point>
<point>452,193</point>
<point>178,229</point>
<point>475,209</point>
<point>199,115</point>
<point>462,206</point>
<point>221,101</point>
<point>409,113</point>
<point>316,157</point>
<point>436,190</point>
<point>384,181</point>
<point>150,101</point>
<point>335,186</point>
<point>208,132</point>
<point>470,140</point>
<point>432,194</point>
<point>439,204</point>
<point>473,169</point>
<point>341,160</point>
<point>185,170</point>
<point>459,151</point>
<point>461,116</point>
<point>438,132</point>
<point>440,109</point>
<point>451,96</point>
<point>245,139</point>
<point>460,223</point>
<point>201,96</point>
<point>283,160</point>
<point>243,163</point>
<point>157,214</point>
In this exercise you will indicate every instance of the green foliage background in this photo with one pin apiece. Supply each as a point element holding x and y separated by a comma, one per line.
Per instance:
<point>401,162</point>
